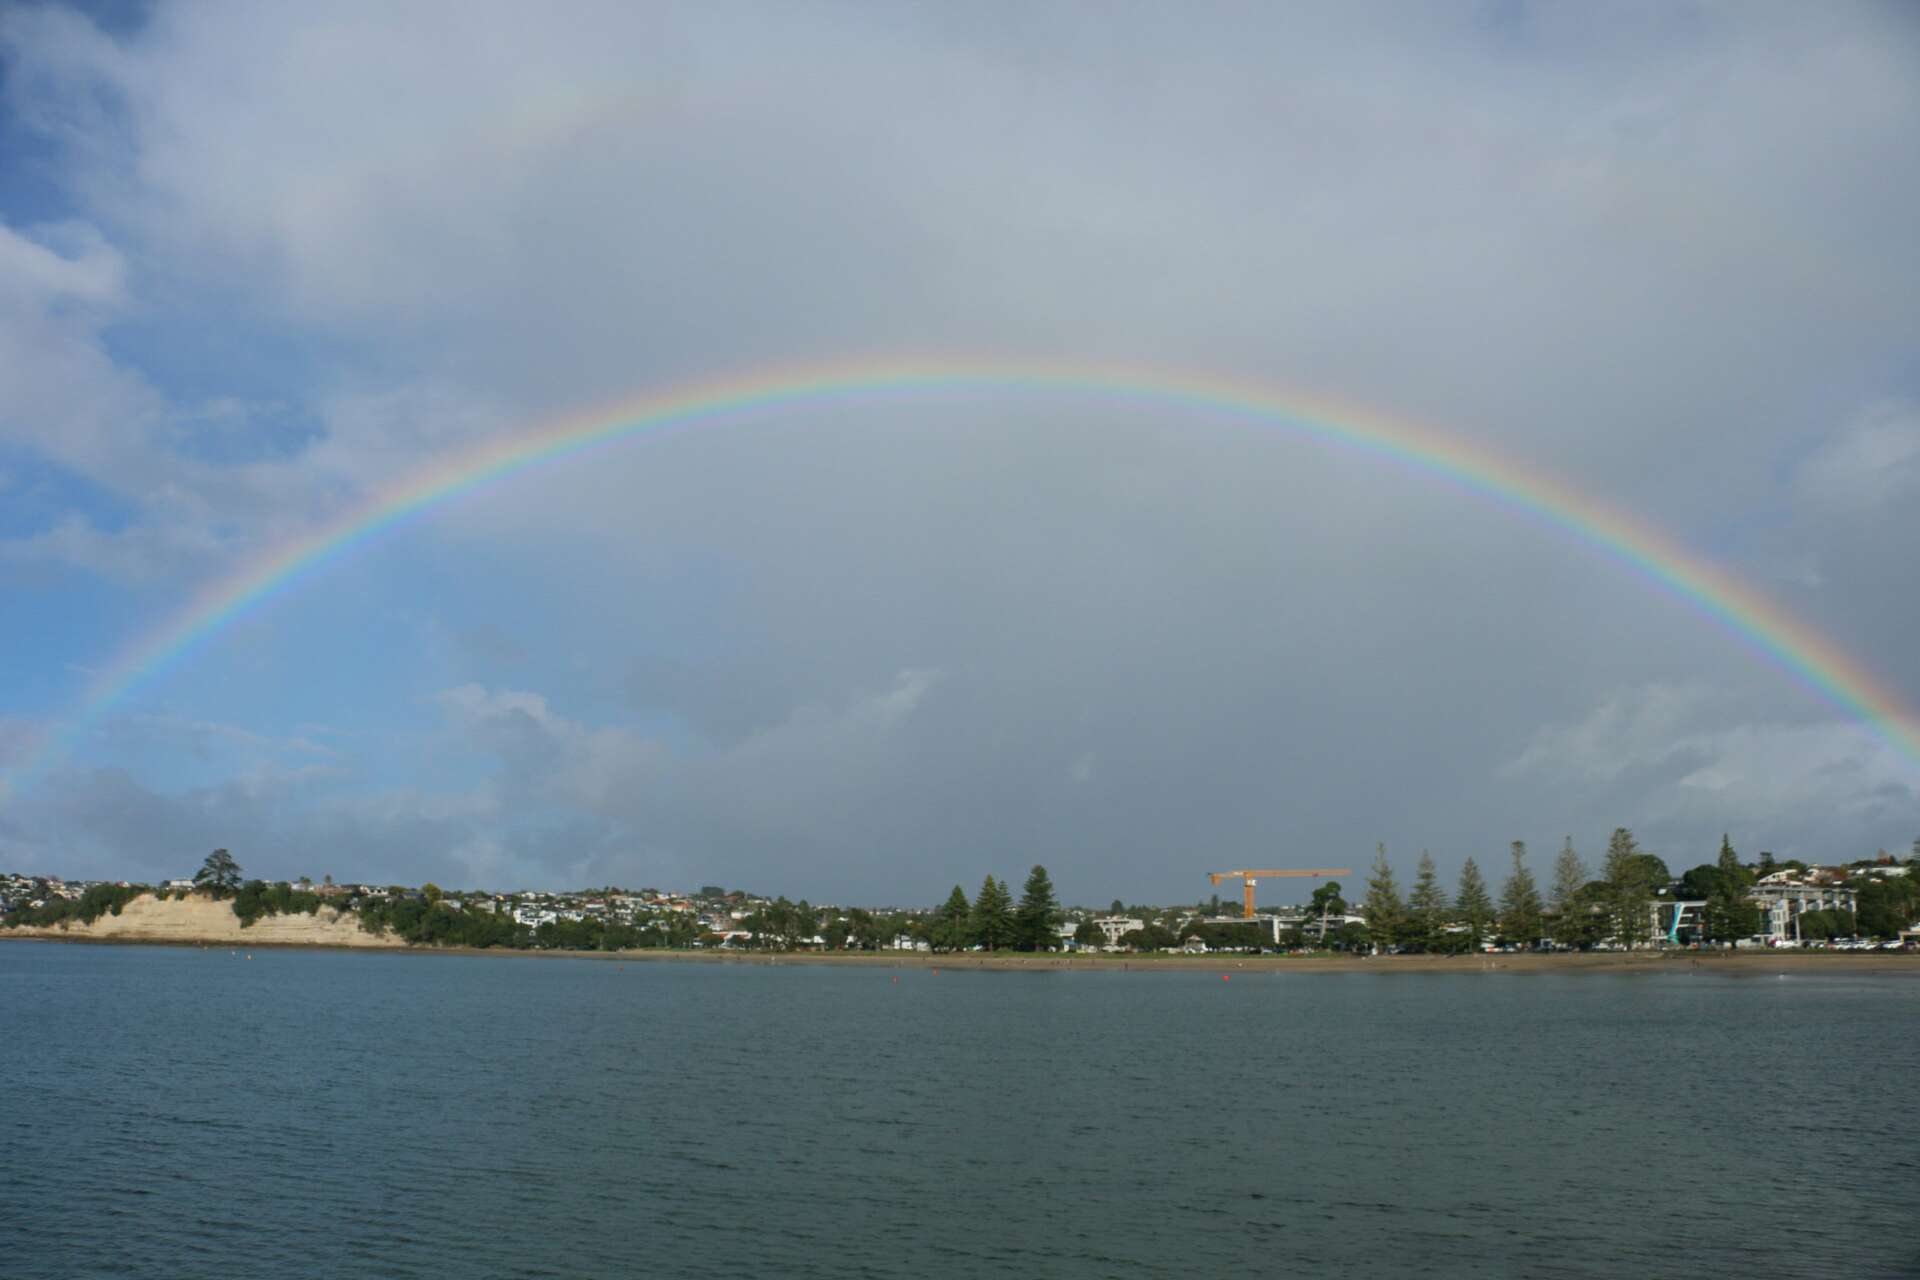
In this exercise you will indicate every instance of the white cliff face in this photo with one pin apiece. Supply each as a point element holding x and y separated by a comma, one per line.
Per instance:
<point>197,919</point>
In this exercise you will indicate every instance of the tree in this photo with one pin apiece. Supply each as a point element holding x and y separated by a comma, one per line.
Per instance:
<point>1033,922</point>
<point>1386,914</point>
<point>1520,900</point>
<point>1569,873</point>
<point>1729,862</point>
<point>1887,904</point>
<point>1472,903</point>
<point>1326,902</point>
<point>951,929</point>
<point>991,922</point>
<point>1155,937</point>
<point>1089,934</point>
<point>866,930</point>
<point>1426,906</point>
<point>1629,890</point>
<point>1818,926</point>
<point>1730,916</point>
<point>1351,937</point>
<point>1117,909</point>
<point>219,875</point>
<point>432,892</point>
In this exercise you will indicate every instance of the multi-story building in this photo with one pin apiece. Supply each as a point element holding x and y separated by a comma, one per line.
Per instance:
<point>1784,896</point>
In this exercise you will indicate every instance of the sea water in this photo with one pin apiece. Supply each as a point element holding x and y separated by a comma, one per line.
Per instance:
<point>179,1112</point>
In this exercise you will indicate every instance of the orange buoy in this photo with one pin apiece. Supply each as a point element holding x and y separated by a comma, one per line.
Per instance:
<point>1226,977</point>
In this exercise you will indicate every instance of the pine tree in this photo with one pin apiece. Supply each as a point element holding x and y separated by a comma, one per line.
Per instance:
<point>1569,877</point>
<point>1520,901</point>
<point>219,875</point>
<point>1629,896</point>
<point>1426,906</point>
<point>1472,904</point>
<point>991,922</point>
<point>1730,916</point>
<point>1729,862</point>
<point>1569,911</point>
<point>1033,922</point>
<point>1386,913</point>
<point>951,928</point>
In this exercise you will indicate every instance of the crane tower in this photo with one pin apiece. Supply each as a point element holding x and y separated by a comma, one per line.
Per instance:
<point>1249,877</point>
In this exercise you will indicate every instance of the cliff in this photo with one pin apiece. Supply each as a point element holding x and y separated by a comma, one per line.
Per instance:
<point>200,920</point>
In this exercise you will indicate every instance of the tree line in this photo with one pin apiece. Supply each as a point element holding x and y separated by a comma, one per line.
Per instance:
<point>1577,910</point>
<point>1580,911</point>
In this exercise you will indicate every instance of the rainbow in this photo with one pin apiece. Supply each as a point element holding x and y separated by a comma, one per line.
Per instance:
<point>1796,648</point>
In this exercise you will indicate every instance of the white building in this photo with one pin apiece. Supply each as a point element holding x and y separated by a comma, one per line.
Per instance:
<point>1783,898</point>
<point>1679,920</point>
<point>1118,927</point>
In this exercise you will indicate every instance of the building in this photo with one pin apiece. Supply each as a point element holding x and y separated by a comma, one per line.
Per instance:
<point>1118,927</point>
<point>1785,896</point>
<point>1679,921</point>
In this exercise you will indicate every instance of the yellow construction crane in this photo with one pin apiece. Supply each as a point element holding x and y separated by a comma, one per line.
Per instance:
<point>1251,876</point>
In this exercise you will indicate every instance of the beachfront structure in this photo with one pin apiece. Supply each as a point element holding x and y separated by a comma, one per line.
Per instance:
<point>1118,927</point>
<point>1679,921</point>
<point>1783,898</point>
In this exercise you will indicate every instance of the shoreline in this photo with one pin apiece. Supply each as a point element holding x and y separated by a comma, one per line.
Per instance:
<point>1741,963</point>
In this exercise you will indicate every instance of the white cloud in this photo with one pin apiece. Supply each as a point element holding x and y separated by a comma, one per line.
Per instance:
<point>1872,462</point>
<point>206,738</point>
<point>91,273</point>
<point>1673,757</point>
<point>139,554</point>
<point>1628,730</point>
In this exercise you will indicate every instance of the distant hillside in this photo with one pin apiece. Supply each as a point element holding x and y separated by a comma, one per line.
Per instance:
<point>198,919</point>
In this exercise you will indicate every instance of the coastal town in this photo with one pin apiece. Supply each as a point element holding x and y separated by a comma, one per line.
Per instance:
<point>1866,904</point>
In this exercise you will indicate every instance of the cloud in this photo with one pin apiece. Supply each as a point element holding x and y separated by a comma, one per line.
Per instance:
<point>91,274</point>
<point>1667,760</point>
<point>205,739</point>
<point>20,737</point>
<point>1874,461</point>
<point>289,258</point>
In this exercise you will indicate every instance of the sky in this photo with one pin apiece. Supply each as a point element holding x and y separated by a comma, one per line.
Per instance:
<point>262,264</point>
